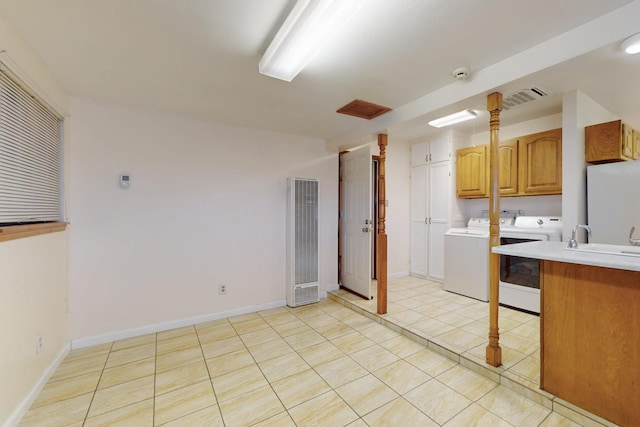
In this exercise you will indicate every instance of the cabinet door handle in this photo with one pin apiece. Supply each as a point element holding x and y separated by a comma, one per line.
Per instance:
<point>426,220</point>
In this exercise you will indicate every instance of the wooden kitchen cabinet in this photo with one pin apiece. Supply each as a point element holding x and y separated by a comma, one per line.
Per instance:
<point>636,145</point>
<point>529,165</point>
<point>472,166</point>
<point>508,161</point>
<point>608,142</point>
<point>540,163</point>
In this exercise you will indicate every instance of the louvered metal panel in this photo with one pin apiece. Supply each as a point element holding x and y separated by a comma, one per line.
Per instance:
<point>302,241</point>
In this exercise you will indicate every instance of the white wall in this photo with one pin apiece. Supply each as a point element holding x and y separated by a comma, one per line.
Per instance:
<point>529,205</point>
<point>33,282</point>
<point>33,293</point>
<point>398,181</point>
<point>579,111</point>
<point>206,206</point>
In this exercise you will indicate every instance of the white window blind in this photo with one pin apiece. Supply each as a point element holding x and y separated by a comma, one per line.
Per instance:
<point>30,157</point>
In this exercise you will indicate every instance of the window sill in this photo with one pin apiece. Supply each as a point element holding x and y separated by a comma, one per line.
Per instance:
<point>29,230</point>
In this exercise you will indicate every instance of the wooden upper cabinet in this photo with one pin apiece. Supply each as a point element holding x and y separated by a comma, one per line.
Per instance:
<point>471,172</point>
<point>636,145</point>
<point>508,161</point>
<point>627,141</point>
<point>608,142</point>
<point>540,163</point>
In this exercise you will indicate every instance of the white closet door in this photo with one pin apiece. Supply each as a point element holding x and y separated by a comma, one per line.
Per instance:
<point>438,204</point>
<point>419,220</point>
<point>440,149</point>
<point>420,154</point>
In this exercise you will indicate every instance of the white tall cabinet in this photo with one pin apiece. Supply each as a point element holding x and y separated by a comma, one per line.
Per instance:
<point>434,208</point>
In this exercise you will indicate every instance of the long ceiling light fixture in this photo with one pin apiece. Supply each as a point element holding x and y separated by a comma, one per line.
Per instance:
<point>307,29</point>
<point>451,119</point>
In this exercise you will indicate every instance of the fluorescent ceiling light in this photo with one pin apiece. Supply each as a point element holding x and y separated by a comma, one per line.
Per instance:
<point>307,29</point>
<point>458,117</point>
<point>632,44</point>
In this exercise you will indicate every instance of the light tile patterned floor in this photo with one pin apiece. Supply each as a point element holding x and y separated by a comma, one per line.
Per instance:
<point>459,324</point>
<point>317,365</point>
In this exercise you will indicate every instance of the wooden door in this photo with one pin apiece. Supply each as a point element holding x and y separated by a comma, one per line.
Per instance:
<point>627,141</point>
<point>508,163</point>
<point>540,163</point>
<point>471,172</point>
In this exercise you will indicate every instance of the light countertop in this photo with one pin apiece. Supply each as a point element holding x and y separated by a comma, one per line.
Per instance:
<point>555,251</point>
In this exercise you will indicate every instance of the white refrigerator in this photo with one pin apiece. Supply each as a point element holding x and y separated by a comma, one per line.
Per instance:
<point>613,201</point>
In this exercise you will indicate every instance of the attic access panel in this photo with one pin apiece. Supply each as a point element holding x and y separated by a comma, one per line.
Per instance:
<point>363,109</point>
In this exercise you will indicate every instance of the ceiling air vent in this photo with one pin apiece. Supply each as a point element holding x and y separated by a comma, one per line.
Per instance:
<point>523,96</point>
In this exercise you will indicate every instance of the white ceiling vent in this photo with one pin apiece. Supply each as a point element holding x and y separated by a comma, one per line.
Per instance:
<point>523,96</point>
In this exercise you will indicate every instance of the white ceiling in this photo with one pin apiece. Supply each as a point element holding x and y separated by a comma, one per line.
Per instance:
<point>200,57</point>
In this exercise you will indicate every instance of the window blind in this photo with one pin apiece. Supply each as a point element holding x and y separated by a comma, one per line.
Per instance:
<point>30,157</point>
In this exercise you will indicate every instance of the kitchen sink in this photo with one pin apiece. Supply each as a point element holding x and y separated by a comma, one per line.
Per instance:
<point>602,248</point>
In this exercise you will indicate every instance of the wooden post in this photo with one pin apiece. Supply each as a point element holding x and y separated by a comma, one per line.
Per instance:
<point>494,352</point>
<point>382,236</point>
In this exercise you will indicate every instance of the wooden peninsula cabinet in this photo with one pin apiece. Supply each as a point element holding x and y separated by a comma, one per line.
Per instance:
<point>608,142</point>
<point>589,325</point>
<point>529,165</point>
<point>590,329</point>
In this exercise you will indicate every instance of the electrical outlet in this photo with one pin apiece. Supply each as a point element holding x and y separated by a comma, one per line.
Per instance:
<point>222,289</point>
<point>38,344</point>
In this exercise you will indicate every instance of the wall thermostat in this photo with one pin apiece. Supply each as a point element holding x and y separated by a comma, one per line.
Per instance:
<point>124,181</point>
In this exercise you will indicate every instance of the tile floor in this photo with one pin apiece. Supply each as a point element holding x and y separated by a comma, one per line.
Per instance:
<point>459,324</point>
<point>318,365</point>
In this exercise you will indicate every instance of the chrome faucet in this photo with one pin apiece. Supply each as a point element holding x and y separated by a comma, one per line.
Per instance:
<point>573,244</point>
<point>632,241</point>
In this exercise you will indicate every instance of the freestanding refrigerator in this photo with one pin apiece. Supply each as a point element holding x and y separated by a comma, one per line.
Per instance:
<point>613,201</point>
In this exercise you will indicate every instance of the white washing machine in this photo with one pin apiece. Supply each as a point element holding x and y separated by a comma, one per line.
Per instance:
<point>466,258</point>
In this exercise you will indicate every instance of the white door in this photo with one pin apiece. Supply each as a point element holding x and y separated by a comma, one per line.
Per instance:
<point>430,188</point>
<point>356,234</point>
<point>438,221</point>
<point>419,220</point>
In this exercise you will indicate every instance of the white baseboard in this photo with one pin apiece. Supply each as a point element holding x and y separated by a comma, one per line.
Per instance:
<point>331,288</point>
<point>150,329</point>
<point>31,397</point>
<point>398,274</point>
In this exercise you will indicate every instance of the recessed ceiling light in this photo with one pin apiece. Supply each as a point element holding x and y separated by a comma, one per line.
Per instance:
<point>451,119</point>
<point>632,44</point>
